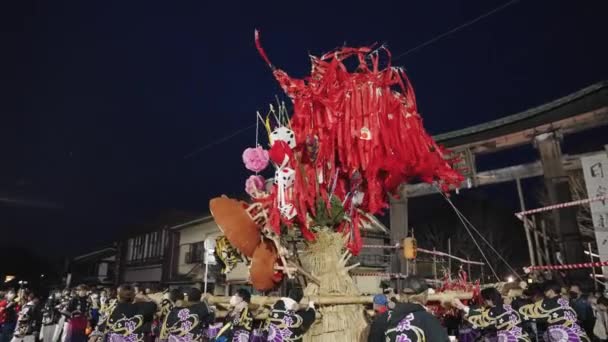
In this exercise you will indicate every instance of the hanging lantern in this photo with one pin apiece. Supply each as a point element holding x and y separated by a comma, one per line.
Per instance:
<point>409,248</point>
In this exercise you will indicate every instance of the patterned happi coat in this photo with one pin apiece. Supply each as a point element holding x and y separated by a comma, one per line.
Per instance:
<point>288,325</point>
<point>107,307</point>
<point>27,323</point>
<point>163,311</point>
<point>126,322</point>
<point>186,323</point>
<point>407,322</point>
<point>503,318</point>
<point>560,317</point>
<point>50,312</point>
<point>237,327</point>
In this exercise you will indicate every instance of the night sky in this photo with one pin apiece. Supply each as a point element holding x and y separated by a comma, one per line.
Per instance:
<point>102,101</point>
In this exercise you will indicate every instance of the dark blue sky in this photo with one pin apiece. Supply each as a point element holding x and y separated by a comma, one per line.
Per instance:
<point>101,100</point>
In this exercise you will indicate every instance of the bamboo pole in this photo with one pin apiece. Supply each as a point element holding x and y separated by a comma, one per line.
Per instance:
<point>263,315</point>
<point>527,228</point>
<point>339,300</point>
<point>434,265</point>
<point>543,226</point>
<point>536,232</point>
<point>450,259</point>
<point>593,267</point>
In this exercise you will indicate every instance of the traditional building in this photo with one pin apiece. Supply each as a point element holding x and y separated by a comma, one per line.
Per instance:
<point>96,267</point>
<point>172,254</point>
<point>189,253</point>
<point>146,254</point>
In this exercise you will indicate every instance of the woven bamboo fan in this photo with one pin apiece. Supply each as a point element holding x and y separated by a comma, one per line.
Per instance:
<point>235,221</point>
<point>263,273</point>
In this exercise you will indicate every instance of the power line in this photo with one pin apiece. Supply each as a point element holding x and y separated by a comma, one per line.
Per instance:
<point>458,28</point>
<point>416,48</point>
<point>461,218</point>
<point>467,224</point>
<point>218,141</point>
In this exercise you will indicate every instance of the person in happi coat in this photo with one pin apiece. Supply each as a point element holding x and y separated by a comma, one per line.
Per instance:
<point>600,330</point>
<point>127,321</point>
<point>141,294</point>
<point>380,304</point>
<point>95,309</point>
<point>497,315</point>
<point>409,320</point>
<point>287,321</point>
<point>188,320</point>
<point>78,313</point>
<point>108,301</point>
<point>9,307</point>
<point>170,298</point>
<point>50,317</point>
<point>536,329</point>
<point>556,311</point>
<point>238,324</point>
<point>28,321</point>
<point>584,311</point>
<point>62,324</point>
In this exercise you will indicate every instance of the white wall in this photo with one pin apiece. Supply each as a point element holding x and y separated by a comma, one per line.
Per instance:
<point>193,234</point>
<point>239,273</point>
<point>368,284</point>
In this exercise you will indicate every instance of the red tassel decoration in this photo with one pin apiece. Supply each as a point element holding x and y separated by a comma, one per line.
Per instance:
<point>366,120</point>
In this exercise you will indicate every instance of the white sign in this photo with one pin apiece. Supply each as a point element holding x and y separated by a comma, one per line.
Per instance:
<point>595,171</point>
<point>210,259</point>
<point>210,251</point>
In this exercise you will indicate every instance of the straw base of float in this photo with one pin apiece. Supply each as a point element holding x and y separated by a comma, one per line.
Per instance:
<point>341,309</point>
<point>326,260</point>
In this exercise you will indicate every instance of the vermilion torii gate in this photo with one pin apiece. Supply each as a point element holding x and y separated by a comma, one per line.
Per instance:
<point>543,127</point>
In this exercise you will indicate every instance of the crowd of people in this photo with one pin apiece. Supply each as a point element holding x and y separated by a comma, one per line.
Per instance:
<point>131,314</point>
<point>540,312</point>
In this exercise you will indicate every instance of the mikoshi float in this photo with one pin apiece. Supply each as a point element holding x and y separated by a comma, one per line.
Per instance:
<point>353,138</point>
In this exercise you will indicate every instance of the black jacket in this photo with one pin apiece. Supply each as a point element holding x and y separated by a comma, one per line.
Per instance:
<point>29,320</point>
<point>50,312</point>
<point>287,324</point>
<point>237,326</point>
<point>128,321</point>
<point>187,322</point>
<point>79,306</point>
<point>407,320</point>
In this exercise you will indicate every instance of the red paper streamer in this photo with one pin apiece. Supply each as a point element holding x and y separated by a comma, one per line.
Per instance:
<point>366,121</point>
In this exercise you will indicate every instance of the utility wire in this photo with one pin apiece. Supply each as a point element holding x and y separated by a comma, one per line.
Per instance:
<point>491,247</point>
<point>458,28</point>
<point>470,234</point>
<point>218,141</point>
<point>468,223</point>
<point>416,48</point>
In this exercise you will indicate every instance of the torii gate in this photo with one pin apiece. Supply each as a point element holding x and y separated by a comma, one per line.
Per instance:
<point>542,126</point>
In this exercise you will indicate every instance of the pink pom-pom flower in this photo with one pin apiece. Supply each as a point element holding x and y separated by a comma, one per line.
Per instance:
<point>254,185</point>
<point>255,159</point>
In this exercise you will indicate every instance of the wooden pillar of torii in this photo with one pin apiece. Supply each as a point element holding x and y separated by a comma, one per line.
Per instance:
<point>563,221</point>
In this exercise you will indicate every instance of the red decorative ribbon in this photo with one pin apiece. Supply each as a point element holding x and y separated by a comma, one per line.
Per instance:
<point>567,267</point>
<point>369,133</point>
<point>521,214</point>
